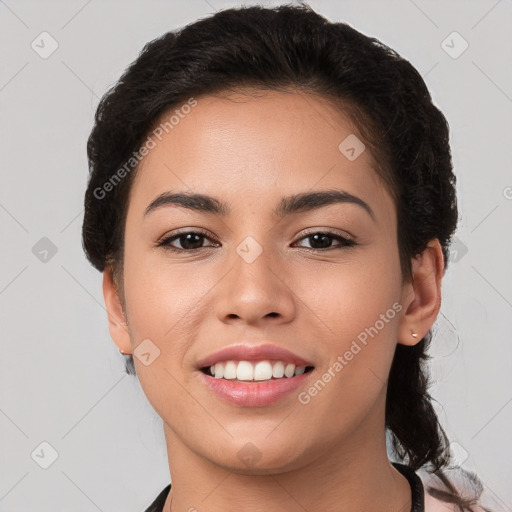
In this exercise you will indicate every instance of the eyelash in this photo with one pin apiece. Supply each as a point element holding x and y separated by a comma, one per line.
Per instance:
<point>346,243</point>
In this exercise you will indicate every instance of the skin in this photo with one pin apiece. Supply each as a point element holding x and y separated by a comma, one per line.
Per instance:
<point>250,151</point>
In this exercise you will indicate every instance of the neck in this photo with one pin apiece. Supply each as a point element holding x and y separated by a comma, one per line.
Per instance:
<point>353,474</point>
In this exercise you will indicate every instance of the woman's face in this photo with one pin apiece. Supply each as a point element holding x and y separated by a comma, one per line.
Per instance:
<point>262,278</point>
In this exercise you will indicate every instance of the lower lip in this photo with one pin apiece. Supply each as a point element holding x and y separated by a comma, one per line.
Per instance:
<point>254,393</point>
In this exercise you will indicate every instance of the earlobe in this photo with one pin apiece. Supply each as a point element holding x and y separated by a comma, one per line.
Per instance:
<point>117,325</point>
<point>422,296</point>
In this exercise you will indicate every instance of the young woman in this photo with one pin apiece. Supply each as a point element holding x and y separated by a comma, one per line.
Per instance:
<point>271,202</point>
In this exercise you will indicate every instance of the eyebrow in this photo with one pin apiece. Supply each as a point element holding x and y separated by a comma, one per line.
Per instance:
<point>297,203</point>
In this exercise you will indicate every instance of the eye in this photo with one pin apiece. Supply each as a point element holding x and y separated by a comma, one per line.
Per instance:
<point>322,240</point>
<point>189,241</point>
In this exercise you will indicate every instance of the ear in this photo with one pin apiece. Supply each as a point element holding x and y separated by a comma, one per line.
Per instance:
<point>421,298</point>
<point>117,325</point>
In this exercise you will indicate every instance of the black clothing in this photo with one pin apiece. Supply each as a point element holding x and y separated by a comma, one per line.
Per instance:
<point>417,492</point>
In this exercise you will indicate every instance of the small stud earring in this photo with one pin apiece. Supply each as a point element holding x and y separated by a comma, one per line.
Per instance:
<point>414,334</point>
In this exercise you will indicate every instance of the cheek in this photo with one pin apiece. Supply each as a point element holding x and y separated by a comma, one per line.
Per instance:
<point>169,304</point>
<point>348,297</point>
<point>162,304</point>
<point>160,295</point>
<point>355,316</point>
<point>356,310</point>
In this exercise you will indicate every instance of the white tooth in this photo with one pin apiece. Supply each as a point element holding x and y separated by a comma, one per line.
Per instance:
<point>244,371</point>
<point>299,370</point>
<point>259,371</point>
<point>219,370</point>
<point>230,370</point>
<point>263,370</point>
<point>278,370</point>
<point>289,370</point>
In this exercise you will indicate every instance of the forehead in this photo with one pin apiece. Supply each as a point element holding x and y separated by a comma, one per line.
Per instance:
<point>255,143</point>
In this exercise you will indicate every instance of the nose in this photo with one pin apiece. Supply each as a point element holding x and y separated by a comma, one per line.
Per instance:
<point>255,290</point>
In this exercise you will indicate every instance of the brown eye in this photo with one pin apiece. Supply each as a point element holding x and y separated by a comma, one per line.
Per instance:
<point>187,240</point>
<point>323,240</point>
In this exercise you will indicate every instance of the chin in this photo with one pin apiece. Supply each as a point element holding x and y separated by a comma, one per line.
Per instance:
<point>253,457</point>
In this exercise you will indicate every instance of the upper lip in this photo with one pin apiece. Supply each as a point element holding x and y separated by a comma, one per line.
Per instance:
<point>261,352</point>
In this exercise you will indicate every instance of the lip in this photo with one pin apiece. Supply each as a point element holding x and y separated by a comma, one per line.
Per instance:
<point>261,352</point>
<point>254,393</point>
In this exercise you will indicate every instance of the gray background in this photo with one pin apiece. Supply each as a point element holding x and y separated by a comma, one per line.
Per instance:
<point>62,379</point>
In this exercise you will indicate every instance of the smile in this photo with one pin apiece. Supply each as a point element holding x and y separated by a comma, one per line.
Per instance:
<point>255,370</point>
<point>251,392</point>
